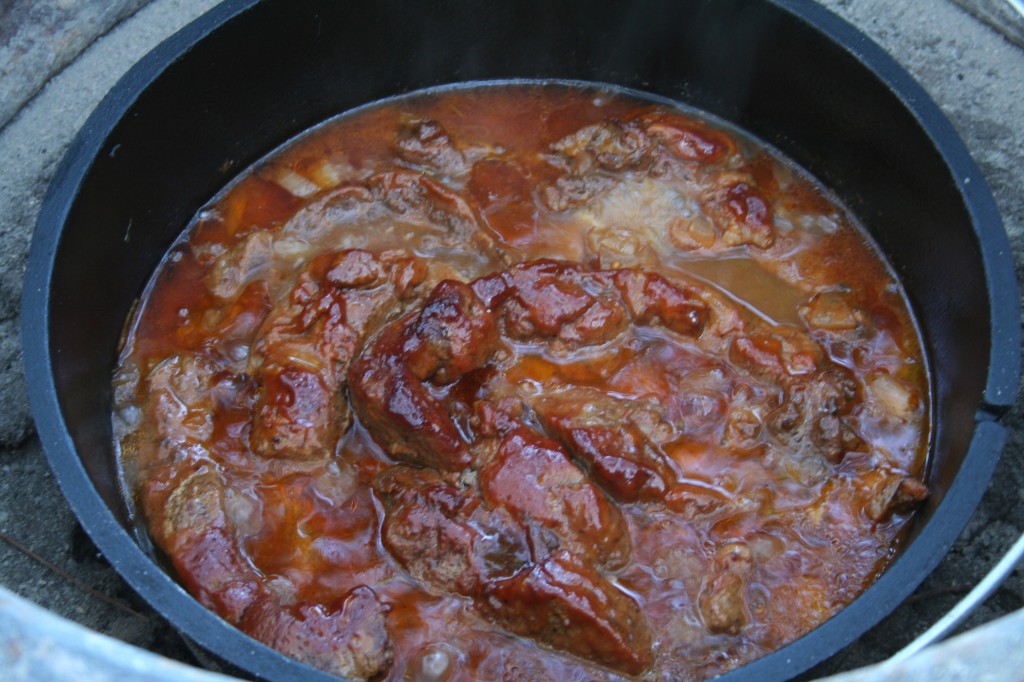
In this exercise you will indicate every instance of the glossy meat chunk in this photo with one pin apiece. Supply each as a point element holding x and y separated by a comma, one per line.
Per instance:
<point>610,145</point>
<point>451,335</point>
<point>599,432</point>
<point>348,638</point>
<point>652,299</point>
<point>563,603</point>
<point>298,415</point>
<point>546,299</point>
<point>688,139</point>
<point>533,478</point>
<point>407,421</point>
<point>195,530</point>
<point>572,307</point>
<point>305,346</point>
<point>444,535</point>
<point>740,212</point>
<point>455,541</point>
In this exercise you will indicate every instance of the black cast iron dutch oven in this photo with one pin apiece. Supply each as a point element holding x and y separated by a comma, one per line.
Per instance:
<point>249,75</point>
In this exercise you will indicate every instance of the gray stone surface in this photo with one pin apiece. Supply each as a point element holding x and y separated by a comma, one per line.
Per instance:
<point>34,514</point>
<point>32,510</point>
<point>1001,15</point>
<point>974,73</point>
<point>37,646</point>
<point>15,421</point>
<point>31,146</point>
<point>38,37</point>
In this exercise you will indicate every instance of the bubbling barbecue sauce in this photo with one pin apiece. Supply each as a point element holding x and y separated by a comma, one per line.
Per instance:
<point>530,381</point>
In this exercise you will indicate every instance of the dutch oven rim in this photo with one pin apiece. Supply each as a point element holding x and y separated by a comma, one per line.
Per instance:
<point>216,635</point>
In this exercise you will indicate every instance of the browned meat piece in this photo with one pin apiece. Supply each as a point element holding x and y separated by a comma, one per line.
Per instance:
<point>436,218</point>
<point>548,299</point>
<point>191,526</point>
<point>297,415</point>
<point>403,417</point>
<point>777,353</point>
<point>688,139</point>
<point>346,204</point>
<point>425,142</point>
<point>552,305</point>
<point>542,298</point>
<point>494,420</point>
<point>422,529</point>
<point>348,638</point>
<point>566,605</point>
<point>452,334</point>
<point>450,540</point>
<point>599,432</point>
<point>814,415</point>
<point>589,157</point>
<point>833,437</point>
<point>723,599</point>
<point>740,211</point>
<point>570,191</point>
<point>444,536</point>
<point>304,348</point>
<point>419,198</point>
<point>618,442</point>
<point>533,478</point>
<point>837,390</point>
<point>896,495</point>
<point>652,298</point>
<point>592,156</point>
<point>609,145</point>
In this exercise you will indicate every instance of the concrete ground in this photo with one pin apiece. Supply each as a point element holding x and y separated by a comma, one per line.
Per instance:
<point>59,57</point>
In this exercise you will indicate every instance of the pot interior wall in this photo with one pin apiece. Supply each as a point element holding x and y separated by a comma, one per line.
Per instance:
<point>283,66</point>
